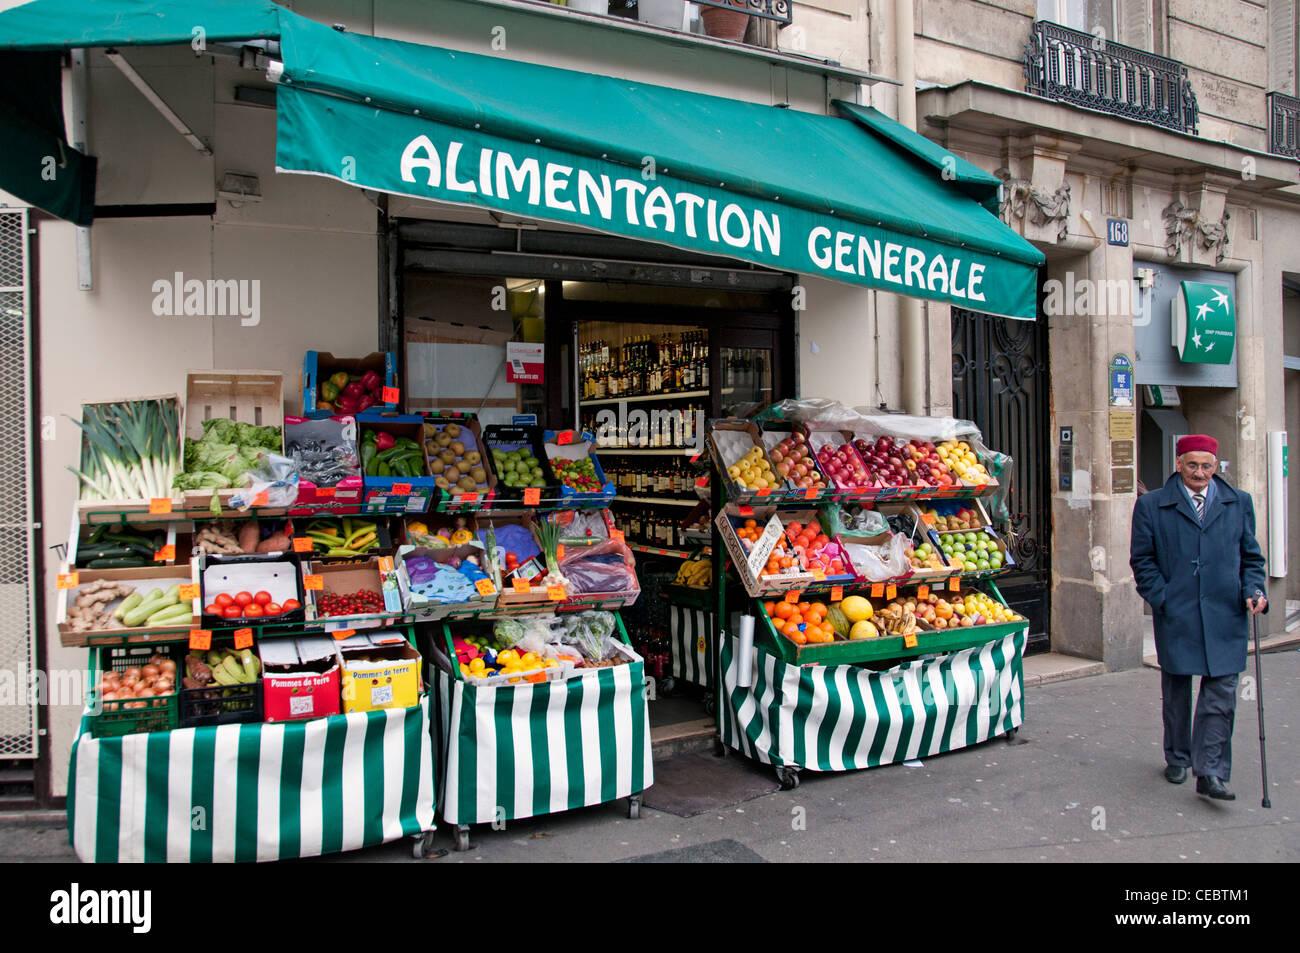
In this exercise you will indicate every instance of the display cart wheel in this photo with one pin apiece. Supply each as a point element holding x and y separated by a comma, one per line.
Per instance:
<point>667,685</point>
<point>788,777</point>
<point>422,847</point>
<point>634,807</point>
<point>462,837</point>
<point>710,704</point>
<point>719,747</point>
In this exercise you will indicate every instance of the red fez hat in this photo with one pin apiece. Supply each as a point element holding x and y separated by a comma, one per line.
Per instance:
<point>1197,443</point>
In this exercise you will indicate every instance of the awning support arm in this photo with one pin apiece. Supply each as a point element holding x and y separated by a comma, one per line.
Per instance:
<point>139,82</point>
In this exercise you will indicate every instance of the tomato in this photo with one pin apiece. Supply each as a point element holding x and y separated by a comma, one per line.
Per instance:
<point>243,598</point>
<point>223,600</point>
<point>262,598</point>
<point>232,612</point>
<point>291,604</point>
<point>213,609</point>
<point>272,608</point>
<point>253,611</point>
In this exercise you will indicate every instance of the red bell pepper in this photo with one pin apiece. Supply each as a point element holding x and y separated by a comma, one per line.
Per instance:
<point>384,441</point>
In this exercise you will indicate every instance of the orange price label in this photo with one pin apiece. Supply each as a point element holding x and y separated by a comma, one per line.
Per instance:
<point>928,518</point>
<point>877,590</point>
<point>521,585</point>
<point>909,640</point>
<point>200,639</point>
<point>168,552</point>
<point>485,587</point>
<point>325,492</point>
<point>67,580</point>
<point>385,563</point>
<point>564,437</point>
<point>391,395</point>
<point>261,498</point>
<point>533,496</point>
<point>617,535</point>
<point>160,506</point>
<point>313,583</point>
<point>810,493</point>
<point>341,634</point>
<point>746,511</point>
<point>188,591</point>
<point>556,593</point>
<point>302,544</point>
<point>559,551</point>
<point>923,592</point>
<point>837,593</point>
<point>891,591</point>
<point>765,491</point>
<point>792,595</point>
<point>400,489</point>
<point>467,499</point>
<point>243,638</point>
<point>954,584</point>
<point>819,575</point>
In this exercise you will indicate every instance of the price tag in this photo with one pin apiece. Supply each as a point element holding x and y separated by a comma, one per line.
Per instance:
<point>811,493</point>
<point>533,496</point>
<point>617,535</point>
<point>200,639</point>
<point>564,437</point>
<point>313,583</point>
<point>521,585</point>
<point>923,592</point>
<point>928,518</point>
<point>702,481</point>
<point>746,511</point>
<point>954,584</point>
<point>385,563</point>
<point>909,641</point>
<point>877,590</point>
<point>792,595</point>
<point>819,575</point>
<point>837,593</point>
<point>391,395</point>
<point>261,498</point>
<point>165,554</point>
<point>161,505</point>
<point>188,591</point>
<point>559,551</point>
<point>67,580</point>
<point>341,634</point>
<point>303,544</point>
<point>400,489</point>
<point>467,499</point>
<point>765,491</point>
<point>556,593</point>
<point>243,638</point>
<point>891,591</point>
<point>485,587</point>
<point>325,492</point>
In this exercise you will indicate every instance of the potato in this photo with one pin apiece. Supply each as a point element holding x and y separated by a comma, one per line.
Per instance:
<point>473,457</point>
<point>468,484</point>
<point>479,475</point>
<point>442,440</point>
<point>436,465</point>
<point>452,474</point>
<point>452,430</point>
<point>458,448</point>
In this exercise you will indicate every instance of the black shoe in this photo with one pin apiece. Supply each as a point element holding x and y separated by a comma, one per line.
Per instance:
<point>1175,774</point>
<point>1213,787</point>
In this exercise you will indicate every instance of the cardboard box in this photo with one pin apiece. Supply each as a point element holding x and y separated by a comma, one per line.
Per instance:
<point>470,435</point>
<point>396,494</point>
<point>425,607</point>
<point>301,678</point>
<point>319,365</point>
<point>143,579</point>
<point>246,397</point>
<point>841,489</point>
<point>750,565</point>
<point>380,670</point>
<point>570,445</point>
<point>345,579</point>
<point>833,550</point>
<point>522,543</point>
<point>344,497</point>
<point>276,573</point>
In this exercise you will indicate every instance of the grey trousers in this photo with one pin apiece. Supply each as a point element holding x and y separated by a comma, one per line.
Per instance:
<point>1203,743</point>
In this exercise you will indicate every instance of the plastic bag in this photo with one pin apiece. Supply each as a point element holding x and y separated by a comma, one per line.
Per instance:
<point>582,527</point>
<point>592,633</point>
<point>878,563</point>
<point>274,484</point>
<point>605,567</point>
<point>850,519</point>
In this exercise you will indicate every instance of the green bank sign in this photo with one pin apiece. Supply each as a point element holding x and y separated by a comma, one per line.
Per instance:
<point>1204,323</point>
<point>423,158</point>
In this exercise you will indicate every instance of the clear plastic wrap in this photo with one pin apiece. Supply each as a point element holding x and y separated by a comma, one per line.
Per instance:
<point>276,477</point>
<point>852,519</point>
<point>878,563</point>
<point>592,633</point>
<point>607,567</point>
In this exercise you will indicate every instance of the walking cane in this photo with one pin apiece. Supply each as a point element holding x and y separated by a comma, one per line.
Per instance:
<point>1259,700</point>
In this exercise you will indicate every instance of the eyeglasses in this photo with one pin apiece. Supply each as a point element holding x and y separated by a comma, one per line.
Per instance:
<point>1207,467</point>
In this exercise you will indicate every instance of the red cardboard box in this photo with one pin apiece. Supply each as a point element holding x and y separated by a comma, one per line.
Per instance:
<point>301,678</point>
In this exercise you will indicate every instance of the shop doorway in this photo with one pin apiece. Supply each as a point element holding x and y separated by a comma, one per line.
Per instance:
<point>1000,381</point>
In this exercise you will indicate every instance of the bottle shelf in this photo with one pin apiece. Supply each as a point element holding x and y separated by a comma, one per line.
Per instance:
<point>639,398</point>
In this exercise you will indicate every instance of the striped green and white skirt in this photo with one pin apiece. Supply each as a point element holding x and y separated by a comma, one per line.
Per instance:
<point>516,751</point>
<point>689,629</point>
<point>253,792</point>
<point>843,717</point>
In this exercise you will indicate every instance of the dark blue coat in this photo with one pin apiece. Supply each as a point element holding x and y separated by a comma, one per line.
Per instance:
<point>1197,576</point>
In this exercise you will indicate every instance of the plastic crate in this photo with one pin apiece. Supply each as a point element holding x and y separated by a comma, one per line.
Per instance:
<point>137,715</point>
<point>221,705</point>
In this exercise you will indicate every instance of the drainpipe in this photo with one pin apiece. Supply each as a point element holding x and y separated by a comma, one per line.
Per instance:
<point>911,322</point>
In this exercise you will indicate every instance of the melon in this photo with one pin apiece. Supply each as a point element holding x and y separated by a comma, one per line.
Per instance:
<point>863,630</point>
<point>856,608</point>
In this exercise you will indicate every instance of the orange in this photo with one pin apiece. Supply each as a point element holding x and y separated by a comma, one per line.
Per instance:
<point>784,609</point>
<point>769,608</point>
<point>797,637</point>
<point>778,624</point>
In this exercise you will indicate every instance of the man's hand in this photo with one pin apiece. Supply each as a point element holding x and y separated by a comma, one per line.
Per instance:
<point>1257,605</point>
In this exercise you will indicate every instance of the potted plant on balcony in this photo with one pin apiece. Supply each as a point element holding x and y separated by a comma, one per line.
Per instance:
<point>725,23</point>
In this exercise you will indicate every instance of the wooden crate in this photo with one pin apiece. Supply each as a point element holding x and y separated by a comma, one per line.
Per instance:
<point>94,512</point>
<point>249,397</point>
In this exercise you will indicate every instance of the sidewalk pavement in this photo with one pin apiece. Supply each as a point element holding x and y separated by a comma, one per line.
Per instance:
<point>1082,783</point>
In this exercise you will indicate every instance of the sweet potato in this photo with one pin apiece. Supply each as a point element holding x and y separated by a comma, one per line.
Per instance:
<point>275,543</point>
<point>248,537</point>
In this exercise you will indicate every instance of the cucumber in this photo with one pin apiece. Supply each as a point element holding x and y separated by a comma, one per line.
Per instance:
<point>145,609</point>
<point>129,603</point>
<point>171,615</point>
<point>117,562</point>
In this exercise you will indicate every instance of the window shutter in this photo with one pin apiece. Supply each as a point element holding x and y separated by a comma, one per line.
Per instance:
<point>1135,23</point>
<point>1281,46</point>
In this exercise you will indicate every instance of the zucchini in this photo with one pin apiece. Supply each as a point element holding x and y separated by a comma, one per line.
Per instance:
<point>104,552</point>
<point>117,562</point>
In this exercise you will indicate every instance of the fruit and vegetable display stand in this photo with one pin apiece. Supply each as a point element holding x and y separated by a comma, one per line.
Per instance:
<point>879,633</point>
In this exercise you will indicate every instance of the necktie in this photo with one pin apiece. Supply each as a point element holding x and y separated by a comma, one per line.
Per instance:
<point>1199,500</point>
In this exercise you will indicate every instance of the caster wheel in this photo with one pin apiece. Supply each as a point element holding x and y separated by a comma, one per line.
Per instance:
<point>710,704</point>
<point>667,685</point>
<point>422,847</point>
<point>634,808</point>
<point>788,778</point>
<point>719,749</point>
<point>462,838</point>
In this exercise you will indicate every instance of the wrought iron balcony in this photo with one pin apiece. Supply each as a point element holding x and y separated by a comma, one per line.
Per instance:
<point>1089,71</point>
<point>779,10</point>
<point>1284,125</point>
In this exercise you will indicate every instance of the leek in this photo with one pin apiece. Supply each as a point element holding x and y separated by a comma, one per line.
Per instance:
<point>131,449</point>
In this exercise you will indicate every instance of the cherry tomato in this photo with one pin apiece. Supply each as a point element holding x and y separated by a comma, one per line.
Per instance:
<point>253,611</point>
<point>213,609</point>
<point>232,612</point>
<point>262,598</point>
<point>223,600</point>
<point>244,598</point>
<point>291,604</point>
<point>272,608</point>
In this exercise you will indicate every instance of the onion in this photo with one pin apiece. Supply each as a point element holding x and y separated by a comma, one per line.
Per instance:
<point>167,665</point>
<point>131,673</point>
<point>110,696</point>
<point>148,672</point>
<point>162,686</point>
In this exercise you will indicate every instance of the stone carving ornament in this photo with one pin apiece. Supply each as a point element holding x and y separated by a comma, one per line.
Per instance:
<point>1020,195</point>
<point>1183,222</point>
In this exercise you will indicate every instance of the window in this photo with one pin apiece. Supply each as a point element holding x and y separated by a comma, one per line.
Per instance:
<point>1131,22</point>
<point>1282,46</point>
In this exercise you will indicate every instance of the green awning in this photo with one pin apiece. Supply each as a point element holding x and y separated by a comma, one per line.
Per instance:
<point>856,197</point>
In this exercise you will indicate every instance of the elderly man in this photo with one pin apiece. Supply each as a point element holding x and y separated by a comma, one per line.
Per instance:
<point>1196,561</point>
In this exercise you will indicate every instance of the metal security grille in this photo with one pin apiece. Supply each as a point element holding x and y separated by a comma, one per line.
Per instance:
<point>18,737</point>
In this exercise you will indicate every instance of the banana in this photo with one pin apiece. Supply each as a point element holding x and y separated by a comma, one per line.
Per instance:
<point>223,677</point>
<point>214,658</point>
<point>235,670</point>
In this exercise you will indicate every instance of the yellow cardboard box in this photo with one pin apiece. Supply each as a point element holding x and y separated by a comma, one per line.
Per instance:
<point>375,677</point>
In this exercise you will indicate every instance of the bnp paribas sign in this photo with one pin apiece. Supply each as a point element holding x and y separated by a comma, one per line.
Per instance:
<point>1204,323</point>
